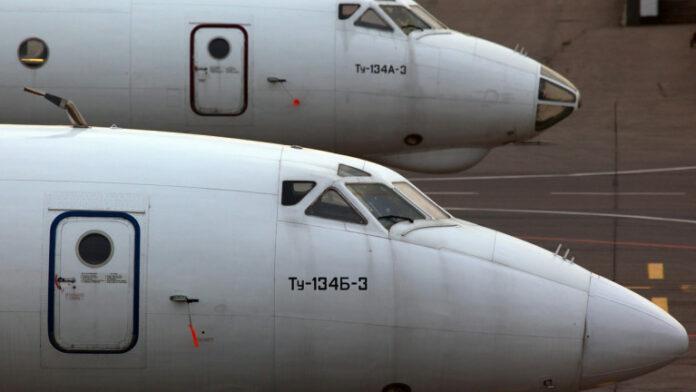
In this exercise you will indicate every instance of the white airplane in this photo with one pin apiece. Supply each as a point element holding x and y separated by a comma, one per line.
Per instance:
<point>148,261</point>
<point>383,80</point>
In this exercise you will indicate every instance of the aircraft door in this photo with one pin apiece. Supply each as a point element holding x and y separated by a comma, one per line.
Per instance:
<point>94,282</point>
<point>219,70</point>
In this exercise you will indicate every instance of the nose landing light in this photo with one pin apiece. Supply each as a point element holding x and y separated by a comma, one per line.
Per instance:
<point>558,99</point>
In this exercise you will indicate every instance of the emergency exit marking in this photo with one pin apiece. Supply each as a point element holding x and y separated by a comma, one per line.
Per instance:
<point>656,271</point>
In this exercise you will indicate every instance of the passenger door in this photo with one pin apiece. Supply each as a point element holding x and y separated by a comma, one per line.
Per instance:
<point>219,70</point>
<point>93,303</point>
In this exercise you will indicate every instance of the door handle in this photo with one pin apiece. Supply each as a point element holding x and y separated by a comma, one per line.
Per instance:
<point>60,279</point>
<point>183,299</point>
<point>201,73</point>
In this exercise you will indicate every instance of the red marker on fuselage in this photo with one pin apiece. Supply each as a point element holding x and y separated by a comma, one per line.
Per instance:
<point>193,335</point>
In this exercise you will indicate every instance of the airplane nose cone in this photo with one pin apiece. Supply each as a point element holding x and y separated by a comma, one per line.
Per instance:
<point>626,335</point>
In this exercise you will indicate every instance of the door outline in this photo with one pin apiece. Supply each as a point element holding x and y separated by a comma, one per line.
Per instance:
<point>192,66</point>
<point>52,270</point>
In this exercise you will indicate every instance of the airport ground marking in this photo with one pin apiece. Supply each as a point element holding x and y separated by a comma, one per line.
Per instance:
<point>662,302</point>
<point>453,193</point>
<point>618,193</point>
<point>541,176</point>
<point>656,271</point>
<point>576,213</point>
<point>604,242</point>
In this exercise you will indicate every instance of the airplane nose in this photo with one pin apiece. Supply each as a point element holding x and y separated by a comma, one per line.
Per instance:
<point>626,335</point>
<point>558,98</point>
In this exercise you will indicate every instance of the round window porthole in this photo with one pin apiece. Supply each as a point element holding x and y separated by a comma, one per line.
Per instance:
<point>33,53</point>
<point>219,48</point>
<point>95,249</point>
<point>413,139</point>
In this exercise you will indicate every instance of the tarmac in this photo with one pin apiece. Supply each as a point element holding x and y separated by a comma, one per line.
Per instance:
<point>616,182</point>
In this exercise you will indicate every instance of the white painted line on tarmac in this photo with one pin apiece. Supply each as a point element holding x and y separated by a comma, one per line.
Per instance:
<point>533,176</point>
<point>453,193</point>
<point>576,213</point>
<point>618,193</point>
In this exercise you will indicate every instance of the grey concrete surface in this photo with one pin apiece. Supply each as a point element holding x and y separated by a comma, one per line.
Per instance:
<point>639,113</point>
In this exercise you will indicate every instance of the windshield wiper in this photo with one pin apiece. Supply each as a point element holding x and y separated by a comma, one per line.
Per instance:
<point>395,218</point>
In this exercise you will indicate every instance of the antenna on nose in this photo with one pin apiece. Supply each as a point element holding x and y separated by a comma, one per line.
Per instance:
<point>76,118</point>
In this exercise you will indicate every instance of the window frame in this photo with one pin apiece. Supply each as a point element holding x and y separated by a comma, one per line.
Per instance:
<point>364,221</point>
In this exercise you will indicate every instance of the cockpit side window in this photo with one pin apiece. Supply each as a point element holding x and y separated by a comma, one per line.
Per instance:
<point>295,191</point>
<point>345,11</point>
<point>331,205</point>
<point>372,20</point>
<point>385,204</point>
<point>406,19</point>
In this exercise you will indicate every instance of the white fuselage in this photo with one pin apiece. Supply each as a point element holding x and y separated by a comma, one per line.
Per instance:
<point>288,300</point>
<point>295,74</point>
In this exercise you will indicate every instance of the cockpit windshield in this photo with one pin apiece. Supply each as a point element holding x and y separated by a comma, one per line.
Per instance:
<point>385,204</point>
<point>406,19</point>
<point>428,18</point>
<point>421,201</point>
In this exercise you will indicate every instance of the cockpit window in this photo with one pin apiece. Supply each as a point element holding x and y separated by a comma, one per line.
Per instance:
<point>549,91</point>
<point>550,115</point>
<point>406,19</point>
<point>295,191</point>
<point>385,204</point>
<point>372,20</point>
<point>345,11</point>
<point>557,98</point>
<point>331,205</point>
<point>428,18</point>
<point>350,171</point>
<point>419,200</point>
<point>555,76</point>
